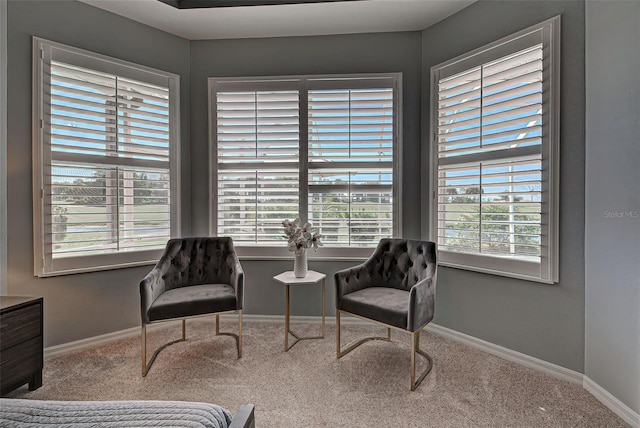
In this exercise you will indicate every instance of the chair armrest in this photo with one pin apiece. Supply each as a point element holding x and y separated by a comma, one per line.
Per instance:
<point>152,286</point>
<point>244,418</point>
<point>237,280</point>
<point>421,303</point>
<point>351,279</point>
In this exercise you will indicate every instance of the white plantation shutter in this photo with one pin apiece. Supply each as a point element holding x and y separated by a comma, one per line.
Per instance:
<point>97,220</point>
<point>351,208</point>
<point>495,131</point>
<point>319,148</point>
<point>351,150</point>
<point>257,144</point>
<point>491,208</point>
<point>107,143</point>
<point>252,204</point>
<point>351,125</point>
<point>491,107</point>
<point>257,126</point>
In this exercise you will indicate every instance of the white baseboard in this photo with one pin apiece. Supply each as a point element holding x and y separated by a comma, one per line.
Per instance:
<point>615,405</point>
<point>601,394</point>
<point>301,319</point>
<point>78,345</point>
<point>508,354</point>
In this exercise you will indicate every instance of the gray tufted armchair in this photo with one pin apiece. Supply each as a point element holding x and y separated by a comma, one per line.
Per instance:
<point>194,276</point>
<point>395,287</point>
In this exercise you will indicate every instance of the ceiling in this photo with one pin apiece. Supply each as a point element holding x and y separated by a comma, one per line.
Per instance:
<point>343,17</point>
<point>194,4</point>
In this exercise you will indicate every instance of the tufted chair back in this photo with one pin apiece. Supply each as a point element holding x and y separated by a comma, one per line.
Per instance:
<point>400,263</point>
<point>192,261</point>
<point>195,261</point>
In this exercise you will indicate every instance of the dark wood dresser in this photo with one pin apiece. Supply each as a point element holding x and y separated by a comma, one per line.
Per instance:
<point>21,343</point>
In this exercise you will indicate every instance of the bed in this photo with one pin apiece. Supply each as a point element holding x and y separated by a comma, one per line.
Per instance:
<point>20,413</point>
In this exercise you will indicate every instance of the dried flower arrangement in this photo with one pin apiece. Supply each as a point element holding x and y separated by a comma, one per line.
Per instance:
<point>300,237</point>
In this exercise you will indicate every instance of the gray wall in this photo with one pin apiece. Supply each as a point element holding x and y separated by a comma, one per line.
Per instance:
<point>82,305</point>
<point>544,321</point>
<point>362,53</point>
<point>3,147</point>
<point>612,232</point>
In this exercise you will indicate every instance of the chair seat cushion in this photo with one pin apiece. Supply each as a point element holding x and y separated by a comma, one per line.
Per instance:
<point>383,304</point>
<point>193,300</point>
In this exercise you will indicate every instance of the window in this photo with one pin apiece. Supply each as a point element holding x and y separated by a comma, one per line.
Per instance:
<point>105,161</point>
<point>320,148</point>
<point>495,156</point>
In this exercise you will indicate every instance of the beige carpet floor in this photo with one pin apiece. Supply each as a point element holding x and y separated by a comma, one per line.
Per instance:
<point>309,387</point>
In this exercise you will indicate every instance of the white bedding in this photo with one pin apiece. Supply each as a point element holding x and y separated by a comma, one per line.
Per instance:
<point>20,413</point>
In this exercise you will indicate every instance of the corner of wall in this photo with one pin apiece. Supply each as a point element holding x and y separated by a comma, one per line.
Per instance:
<point>612,214</point>
<point>3,147</point>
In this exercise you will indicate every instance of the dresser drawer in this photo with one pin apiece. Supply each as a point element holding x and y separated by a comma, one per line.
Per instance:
<point>19,362</point>
<point>19,325</point>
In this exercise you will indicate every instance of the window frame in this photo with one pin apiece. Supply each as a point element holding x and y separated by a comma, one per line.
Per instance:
<point>548,33</point>
<point>44,265</point>
<point>325,252</point>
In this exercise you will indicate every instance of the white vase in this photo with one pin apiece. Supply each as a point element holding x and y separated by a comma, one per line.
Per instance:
<point>300,267</point>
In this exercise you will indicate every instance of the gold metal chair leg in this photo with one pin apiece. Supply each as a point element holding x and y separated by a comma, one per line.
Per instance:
<point>143,339</point>
<point>143,343</point>
<point>337,333</point>
<point>146,366</point>
<point>415,349</point>
<point>237,337</point>
<point>340,353</point>
<point>240,334</point>
<point>413,361</point>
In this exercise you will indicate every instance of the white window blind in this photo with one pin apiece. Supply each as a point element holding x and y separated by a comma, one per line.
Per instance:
<point>491,208</point>
<point>319,148</point>
<point>258,137</point>
<point>495,132</point>
<point>107,146</point>
<point>351,139</point>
